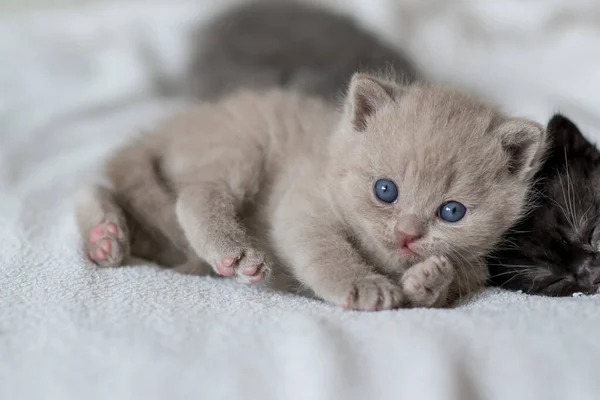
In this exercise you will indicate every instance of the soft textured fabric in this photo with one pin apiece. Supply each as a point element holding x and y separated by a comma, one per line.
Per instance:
<point>76,83</point>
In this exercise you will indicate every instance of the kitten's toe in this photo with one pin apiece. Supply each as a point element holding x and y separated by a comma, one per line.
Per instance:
<point>252,267</point>
<point>226,266</point>
<point>253,273</point>
<point>424,283</point>
<point>374,293</point>
<point>106,244</point>
<point>247,266</point>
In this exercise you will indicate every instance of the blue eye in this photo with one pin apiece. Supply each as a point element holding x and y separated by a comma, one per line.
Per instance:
<point>452,211</point>
<point>386,190</point>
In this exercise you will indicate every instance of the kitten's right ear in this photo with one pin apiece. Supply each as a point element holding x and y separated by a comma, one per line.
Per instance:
<point>365,96</point>
<point>564,134</point>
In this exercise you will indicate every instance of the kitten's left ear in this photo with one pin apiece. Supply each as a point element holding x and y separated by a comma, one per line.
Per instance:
<point>525,143</point>
<point>365,96</point>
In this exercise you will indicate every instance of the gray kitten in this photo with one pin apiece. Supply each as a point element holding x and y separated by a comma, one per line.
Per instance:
<point>286,44</point>
<point>392,201</point>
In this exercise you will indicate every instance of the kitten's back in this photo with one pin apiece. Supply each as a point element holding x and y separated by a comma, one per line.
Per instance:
<point>286,44</point>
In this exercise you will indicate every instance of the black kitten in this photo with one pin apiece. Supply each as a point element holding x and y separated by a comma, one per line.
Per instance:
<point>287,44</point>
<point>555,249</point>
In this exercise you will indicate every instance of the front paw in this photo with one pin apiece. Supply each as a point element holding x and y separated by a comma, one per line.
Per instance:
<point>373,293</point>
<point>246,265</point>
<point>425,284</point>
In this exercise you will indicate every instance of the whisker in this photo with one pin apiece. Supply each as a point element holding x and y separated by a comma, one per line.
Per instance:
<point>584,216</point>
<point>519,232</point>
<point>508,281</point>
<point>468,266</point>
<point>565,212</point>
<point>515,266</point>
<point>518,273</point>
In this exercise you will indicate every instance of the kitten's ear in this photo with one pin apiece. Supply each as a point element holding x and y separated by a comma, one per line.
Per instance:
<point>564,134</point>
<point>525,143</point>
<point>365,96</point>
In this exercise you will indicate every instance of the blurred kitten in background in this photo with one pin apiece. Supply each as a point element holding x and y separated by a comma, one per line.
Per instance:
<point>291,45</point>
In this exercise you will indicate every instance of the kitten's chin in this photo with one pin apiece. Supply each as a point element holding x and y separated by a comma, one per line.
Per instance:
<point>395,258</point>
<point>406,252</point>
<point>407,258</point>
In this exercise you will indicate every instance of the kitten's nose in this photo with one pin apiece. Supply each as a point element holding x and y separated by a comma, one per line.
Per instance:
<point>409,228</point>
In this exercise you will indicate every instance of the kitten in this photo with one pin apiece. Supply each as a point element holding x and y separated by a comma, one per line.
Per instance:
<point>391,202</point>
<point>286,44</point>
<point>555,250</point>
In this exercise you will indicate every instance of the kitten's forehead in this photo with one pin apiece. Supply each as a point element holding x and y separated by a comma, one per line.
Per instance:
<point>574,186</point>
<point>432,131</point>
<point>438,113</point>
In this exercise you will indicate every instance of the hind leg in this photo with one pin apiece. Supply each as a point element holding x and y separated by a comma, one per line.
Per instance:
<point>103,226</point>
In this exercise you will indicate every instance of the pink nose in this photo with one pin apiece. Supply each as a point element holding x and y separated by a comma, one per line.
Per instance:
<point>404,239</point>
<point>408,229</point>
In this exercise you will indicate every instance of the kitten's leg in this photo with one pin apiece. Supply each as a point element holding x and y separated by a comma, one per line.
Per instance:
<point>110,235</point>
<point>102,225</point>
<point>208,215</point>
<point>427,283</point>
<point>135,172</point>
<point>323,260</point>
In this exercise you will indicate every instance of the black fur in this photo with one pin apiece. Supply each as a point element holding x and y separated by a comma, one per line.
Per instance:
<point>555,249</point>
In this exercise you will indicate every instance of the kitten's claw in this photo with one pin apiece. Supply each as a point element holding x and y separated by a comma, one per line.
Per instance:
<point>106,244</point>
<point>374,293</point>
<point>249,266</point>
<point>424,283</point>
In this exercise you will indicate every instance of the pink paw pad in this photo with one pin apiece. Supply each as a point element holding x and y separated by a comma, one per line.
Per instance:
<point>257,277</point>
<point>254,273</point>
<point>231,267</point>
<point>225,266</point>
<point>100,241</point>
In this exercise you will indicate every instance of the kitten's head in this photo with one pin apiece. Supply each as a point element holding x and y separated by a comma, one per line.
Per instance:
<point>555,250</point>
<point>420,170</point>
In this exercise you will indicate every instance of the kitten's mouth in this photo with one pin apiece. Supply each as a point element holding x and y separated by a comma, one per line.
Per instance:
<point>407,249</point>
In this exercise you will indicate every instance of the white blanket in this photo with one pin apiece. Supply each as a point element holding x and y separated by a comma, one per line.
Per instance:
<point>75,83</point>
